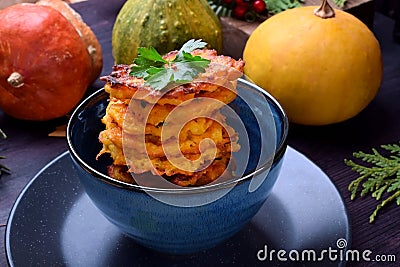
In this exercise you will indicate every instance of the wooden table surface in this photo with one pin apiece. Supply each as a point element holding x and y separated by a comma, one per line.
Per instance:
<point>29,148</point>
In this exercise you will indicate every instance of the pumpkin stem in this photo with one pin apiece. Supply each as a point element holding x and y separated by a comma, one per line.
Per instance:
<point>15,80</point>
<point>325,11</point>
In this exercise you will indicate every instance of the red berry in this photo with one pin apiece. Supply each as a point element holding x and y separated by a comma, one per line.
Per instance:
<point>239,11</point>
<point>241,3</point>
<point>227,1</point>
<point>259,6</point>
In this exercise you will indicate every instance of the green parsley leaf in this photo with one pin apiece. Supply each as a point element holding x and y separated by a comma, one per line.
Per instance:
<point>148,58</point>
<point>160,73</point>
<point>149,55</point>
<point>188,47</point>
<point>188,70</point>
<point>160,79</point>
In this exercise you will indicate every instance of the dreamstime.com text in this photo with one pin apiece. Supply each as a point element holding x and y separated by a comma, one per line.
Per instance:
<point>340,253</point>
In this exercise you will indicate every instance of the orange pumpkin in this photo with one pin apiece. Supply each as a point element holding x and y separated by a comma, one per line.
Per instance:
<point>44,64</point>
<point>85,32</point>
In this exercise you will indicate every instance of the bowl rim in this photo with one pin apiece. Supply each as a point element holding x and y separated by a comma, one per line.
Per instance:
<point>279,152</point>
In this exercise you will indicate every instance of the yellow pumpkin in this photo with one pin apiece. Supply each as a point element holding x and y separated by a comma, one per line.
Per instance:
<point>323,65</point>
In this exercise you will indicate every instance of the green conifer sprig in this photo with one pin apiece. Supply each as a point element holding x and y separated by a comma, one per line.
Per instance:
<point>2,167</point>
<point>379,176</point>
<point>340,3</point>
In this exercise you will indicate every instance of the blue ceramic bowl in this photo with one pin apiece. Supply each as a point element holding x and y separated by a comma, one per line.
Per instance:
<point>185,220</point>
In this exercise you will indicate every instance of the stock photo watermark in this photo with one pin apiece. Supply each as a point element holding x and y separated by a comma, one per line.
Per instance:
<point>333,254</point>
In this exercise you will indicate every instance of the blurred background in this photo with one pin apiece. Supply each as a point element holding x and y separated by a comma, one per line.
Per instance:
<point>386,7</point>
<point>390,8</point>
<point>5,3</point>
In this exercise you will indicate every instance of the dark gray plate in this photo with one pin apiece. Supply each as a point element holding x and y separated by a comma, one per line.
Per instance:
<point>53,223</point>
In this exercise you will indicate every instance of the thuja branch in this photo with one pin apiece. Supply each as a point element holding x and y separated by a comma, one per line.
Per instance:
<point>2,167</point>
<point>379,176</point>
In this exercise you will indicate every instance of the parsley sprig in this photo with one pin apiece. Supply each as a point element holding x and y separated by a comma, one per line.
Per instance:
<point>379,176</point>
<point>160,73</point>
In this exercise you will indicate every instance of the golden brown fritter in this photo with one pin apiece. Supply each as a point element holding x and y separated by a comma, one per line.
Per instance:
<point>179,133</point>
<point>221,75</point>
<point>188,140</point>
<point>218,169</point>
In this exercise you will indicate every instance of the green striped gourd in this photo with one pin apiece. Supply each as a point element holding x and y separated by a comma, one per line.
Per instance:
<point>164,24</point>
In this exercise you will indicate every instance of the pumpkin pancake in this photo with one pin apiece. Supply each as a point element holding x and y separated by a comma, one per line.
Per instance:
<point>220,76</point>
<point>178,133</point>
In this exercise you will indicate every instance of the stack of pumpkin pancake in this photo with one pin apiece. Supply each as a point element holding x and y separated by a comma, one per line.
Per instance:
<point>178,133</point>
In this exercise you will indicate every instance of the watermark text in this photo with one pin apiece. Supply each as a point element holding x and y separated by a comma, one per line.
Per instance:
<point>340,253</point>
